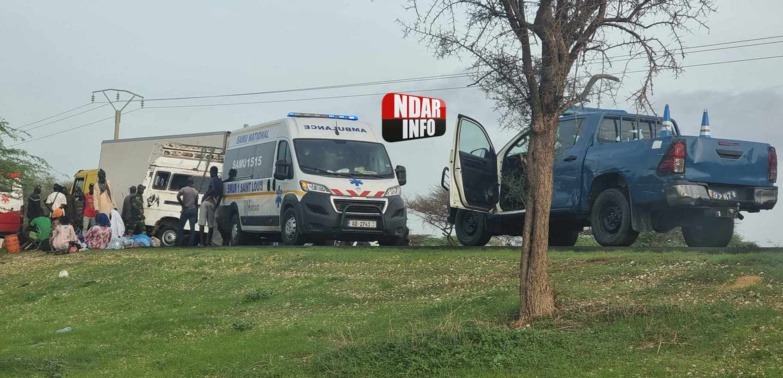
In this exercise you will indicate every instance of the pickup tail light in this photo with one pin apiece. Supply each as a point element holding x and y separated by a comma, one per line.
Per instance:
<point>772,165</point>
<point>673,161</point>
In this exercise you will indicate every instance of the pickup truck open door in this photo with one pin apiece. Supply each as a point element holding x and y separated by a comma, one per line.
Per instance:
<point>473,167</point>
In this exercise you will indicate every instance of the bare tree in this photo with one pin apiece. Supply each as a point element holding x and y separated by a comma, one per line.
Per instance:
<point>433,209</point>
<point>531,57</point>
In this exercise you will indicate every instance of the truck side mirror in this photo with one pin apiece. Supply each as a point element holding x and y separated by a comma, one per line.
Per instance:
<point>402,176</point>
<point>283,170</point>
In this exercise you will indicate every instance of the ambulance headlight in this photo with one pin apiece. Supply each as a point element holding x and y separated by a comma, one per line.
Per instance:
<point>394,191</point>
<point>308,186</point>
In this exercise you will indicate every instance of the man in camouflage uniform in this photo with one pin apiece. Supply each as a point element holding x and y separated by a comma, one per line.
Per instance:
<point>136,217</point>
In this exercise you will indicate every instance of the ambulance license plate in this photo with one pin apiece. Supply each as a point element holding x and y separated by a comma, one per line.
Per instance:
<point>362,223</point>
<point>723,194</point>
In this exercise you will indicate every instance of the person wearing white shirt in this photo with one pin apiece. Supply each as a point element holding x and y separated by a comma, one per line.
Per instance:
<point>56,199</point>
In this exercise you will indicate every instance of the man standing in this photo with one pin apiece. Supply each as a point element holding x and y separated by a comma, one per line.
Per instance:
<point>88,220</point>
<point>34,209</point>
<point>206,216</point>
<point>136,217</point>
<point>56,200</point>
<point>126,205</point>
<point>188,199</point>
<point>225,234</point>
<point>70,206</point>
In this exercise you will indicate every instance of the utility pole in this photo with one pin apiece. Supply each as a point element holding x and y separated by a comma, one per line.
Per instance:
<point>118,112</point>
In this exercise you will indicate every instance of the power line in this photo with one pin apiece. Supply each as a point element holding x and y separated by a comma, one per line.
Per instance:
<point>404,80</point>
<point>365,95</point>
<point>323,87</point>
<point>233,104</point>
<point>50,117</point>
<point>70,129</point>
<point>63,119</point>
<point>716,63</point>
<point>297,99</point>
<point>448,76</point>
<point>424,90</point>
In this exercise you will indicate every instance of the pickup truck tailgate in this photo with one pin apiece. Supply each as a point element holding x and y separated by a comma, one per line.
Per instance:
<point>723,161</point>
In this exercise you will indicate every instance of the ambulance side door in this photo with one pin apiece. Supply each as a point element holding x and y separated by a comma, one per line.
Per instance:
<point>473,163</point>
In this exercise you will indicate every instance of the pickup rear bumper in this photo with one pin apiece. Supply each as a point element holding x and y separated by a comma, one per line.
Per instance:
<point>702,195</point>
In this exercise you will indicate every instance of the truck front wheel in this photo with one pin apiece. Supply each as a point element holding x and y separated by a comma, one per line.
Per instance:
<point>610,219</point>
<point>709,232</point>
<point>471,228</point>
<point>167,233</point>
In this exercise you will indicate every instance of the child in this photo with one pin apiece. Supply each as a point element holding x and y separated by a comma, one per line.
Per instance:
<point>62,235</point>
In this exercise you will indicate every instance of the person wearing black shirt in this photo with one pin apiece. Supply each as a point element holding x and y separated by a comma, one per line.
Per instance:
<point>34,208</point>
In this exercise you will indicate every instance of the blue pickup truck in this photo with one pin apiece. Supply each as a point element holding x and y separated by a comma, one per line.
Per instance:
<point>614,173</point>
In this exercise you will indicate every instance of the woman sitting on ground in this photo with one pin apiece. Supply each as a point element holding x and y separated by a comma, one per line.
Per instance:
<point>98,236</point>
<point>62,235</point>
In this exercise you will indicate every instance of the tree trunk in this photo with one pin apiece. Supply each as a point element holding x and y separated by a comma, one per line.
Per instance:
<point>535,289</point>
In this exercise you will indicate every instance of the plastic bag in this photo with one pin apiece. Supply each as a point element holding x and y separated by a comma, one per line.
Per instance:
<point>115,244</point>
<point>142,240</point>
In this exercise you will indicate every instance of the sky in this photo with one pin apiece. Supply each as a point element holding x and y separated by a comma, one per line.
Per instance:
<point>56,53</point>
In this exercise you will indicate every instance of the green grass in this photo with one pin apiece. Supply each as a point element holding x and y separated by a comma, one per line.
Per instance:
<point>385,312</point>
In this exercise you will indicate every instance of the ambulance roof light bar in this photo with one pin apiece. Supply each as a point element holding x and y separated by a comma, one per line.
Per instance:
<point>317,115</point>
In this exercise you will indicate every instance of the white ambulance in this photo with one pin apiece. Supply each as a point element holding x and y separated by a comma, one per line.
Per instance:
<point>310,178</point>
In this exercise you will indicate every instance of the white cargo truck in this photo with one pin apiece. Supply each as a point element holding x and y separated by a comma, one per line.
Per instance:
<point>166,175</point>
<point>311,178</point>
<point>162,164</point>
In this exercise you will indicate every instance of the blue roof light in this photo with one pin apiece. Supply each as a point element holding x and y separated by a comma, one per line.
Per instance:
<point>332,116</point>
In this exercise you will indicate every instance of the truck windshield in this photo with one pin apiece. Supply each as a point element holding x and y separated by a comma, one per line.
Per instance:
<point>347,158</point>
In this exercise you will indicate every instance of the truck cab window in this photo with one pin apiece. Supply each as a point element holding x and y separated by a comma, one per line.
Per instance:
<point>161,180</point>
<point>634,129</point>
<point>568,133</point>
<point>78,183</point>
<point>473,141</point>
<point>609,133</point>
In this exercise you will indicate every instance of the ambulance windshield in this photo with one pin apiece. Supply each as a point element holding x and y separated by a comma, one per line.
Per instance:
<point>345,158</point>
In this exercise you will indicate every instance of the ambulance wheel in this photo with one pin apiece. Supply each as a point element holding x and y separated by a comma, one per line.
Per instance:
<point>471,228</point>
<point>167,233</point>
<point>292,234</point>
<point>238,237</point>
<point>610,219</point>
<point>709,232</point>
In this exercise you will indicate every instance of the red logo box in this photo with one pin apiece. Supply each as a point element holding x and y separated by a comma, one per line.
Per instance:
<point>411,117</point>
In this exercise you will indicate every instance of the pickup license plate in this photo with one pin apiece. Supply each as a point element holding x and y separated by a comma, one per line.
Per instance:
<point>362,223</point>
<point>723,194</point>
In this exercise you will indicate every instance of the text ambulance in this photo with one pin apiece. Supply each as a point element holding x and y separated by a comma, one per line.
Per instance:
<point>309,178</point>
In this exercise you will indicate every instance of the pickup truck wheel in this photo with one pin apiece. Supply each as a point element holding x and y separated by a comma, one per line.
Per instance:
<point>709,232</point>
<point>562,236</point>
<point>471,228</point>
<point>610,219</point>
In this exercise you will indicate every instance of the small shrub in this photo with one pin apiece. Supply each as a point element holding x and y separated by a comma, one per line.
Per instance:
<point>242,325</point>
<point>257,295</point>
